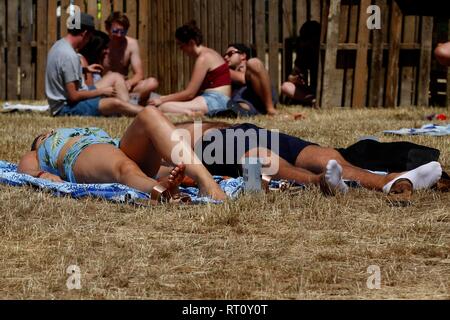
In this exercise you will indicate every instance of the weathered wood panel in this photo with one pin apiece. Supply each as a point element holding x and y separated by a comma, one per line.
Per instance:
<point>361,69</point>
<point>12,57</point>
<point>425,61</point>
<point>274,64</point>
<point>26,63</point>
<point>330,94</point>
<point>268,26</point>
<point>376,88</point>
<point>2,49</point>
<point>394,52</point>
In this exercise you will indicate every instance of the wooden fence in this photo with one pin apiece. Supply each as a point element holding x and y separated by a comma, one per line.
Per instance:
<point>387,67</point>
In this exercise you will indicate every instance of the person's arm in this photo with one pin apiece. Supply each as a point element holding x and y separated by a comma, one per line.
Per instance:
<point>136,65</point>
<point>238,75</point>
<point>89,79</point>
<point>29,164</point>
<point>191,91</point>
<point>74,95</point>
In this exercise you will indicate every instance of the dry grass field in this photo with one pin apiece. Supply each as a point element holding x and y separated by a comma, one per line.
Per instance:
<point>273,246</point>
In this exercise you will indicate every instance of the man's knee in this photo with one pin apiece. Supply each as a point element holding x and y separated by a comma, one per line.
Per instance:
<point>287,88</point>
<point>152,83</point>
<point>255,65</point>
<point>149,113</point>
<point>442,53</point>
<point>115,102</point>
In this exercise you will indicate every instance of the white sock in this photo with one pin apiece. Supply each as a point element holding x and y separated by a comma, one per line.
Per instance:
<point>422,177</point>
<point>333,177</point>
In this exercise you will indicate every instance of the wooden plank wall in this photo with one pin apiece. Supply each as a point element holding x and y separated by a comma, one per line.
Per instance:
<point>386,67</point>
<point>2,49</point>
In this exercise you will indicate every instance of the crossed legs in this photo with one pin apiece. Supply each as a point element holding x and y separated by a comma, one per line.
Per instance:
<point>326,168</point>
<point>317,159</point>
<point>118,105</point>
<point>152,137</point>
<point>145,143</point>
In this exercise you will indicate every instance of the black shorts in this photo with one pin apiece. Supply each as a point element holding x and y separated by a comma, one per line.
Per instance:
<point>289,147</point>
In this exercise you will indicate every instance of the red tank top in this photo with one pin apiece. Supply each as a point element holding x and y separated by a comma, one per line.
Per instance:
<point>218,77</point>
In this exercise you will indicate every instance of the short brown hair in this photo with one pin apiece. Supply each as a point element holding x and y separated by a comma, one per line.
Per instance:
<point>118,17</point>
<point>189,31</point>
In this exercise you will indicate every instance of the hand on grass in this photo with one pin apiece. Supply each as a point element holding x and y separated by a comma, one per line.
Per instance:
<point>51,177</point>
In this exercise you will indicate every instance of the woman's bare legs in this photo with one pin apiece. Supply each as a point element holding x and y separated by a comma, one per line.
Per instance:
<point>91,167</point>
<point>148,140</point>
<point>197,105</point>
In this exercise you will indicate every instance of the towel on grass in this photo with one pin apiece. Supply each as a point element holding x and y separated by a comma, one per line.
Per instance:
<point>111,192</point>
<point>427,130</point>
<point>24,107</point>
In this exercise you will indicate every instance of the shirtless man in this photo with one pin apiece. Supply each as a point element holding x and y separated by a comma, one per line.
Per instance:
<point>123,52</point>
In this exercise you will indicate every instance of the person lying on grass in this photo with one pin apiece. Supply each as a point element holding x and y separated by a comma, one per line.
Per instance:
<point>90,155</point>
<point>298,160</point>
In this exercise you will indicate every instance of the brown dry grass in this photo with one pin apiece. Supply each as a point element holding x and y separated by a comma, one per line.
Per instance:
<point>271,247</point>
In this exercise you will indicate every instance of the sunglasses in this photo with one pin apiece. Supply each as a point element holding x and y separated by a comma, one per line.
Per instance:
<point>229,54</point>
<point>120,32</point>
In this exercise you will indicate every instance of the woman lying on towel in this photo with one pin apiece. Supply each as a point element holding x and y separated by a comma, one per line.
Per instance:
<point>91,156</point>
<point>298,160</point>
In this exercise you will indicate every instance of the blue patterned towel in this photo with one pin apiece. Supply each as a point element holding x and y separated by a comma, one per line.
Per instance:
<point>112,192</point>
<point>427,130</point>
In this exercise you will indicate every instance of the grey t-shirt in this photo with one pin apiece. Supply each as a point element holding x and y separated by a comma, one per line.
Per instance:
<point>63,66</point>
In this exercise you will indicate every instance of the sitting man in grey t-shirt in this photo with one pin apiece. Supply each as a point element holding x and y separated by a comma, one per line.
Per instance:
<point>64,82</point>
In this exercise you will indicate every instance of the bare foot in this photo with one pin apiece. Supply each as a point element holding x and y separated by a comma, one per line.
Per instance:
<point>212,190</point>
<point>174,179</point>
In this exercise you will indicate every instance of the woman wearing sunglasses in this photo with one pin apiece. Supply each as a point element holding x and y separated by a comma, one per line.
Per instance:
<point>209,89</point>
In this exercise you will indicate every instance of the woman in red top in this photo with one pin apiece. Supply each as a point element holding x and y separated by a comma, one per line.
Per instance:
<point>209,89</point>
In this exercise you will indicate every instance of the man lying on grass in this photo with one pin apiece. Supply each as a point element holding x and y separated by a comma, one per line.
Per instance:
<point>298,160</point>
<point>90,155</point>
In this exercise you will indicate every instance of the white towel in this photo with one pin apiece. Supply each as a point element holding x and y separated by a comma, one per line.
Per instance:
<point>24,107</point>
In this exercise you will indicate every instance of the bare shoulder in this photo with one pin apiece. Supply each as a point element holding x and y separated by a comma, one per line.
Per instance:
<point>29,160</point>
<point>133,44</point>
<point>211,58</point>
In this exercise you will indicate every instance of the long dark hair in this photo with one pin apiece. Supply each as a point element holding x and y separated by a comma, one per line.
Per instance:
<point>93,50</point>
<point>34,144</point>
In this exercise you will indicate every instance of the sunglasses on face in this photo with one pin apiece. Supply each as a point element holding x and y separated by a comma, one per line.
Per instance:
<point>229,54</point>
<point>120,32</point>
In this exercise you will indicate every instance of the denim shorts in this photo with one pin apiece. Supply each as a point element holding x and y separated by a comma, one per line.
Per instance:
<point>88,107</point>
<point>216,102</point>
<point>249,97</point>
